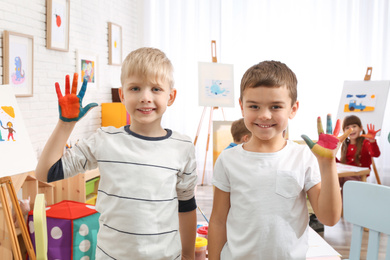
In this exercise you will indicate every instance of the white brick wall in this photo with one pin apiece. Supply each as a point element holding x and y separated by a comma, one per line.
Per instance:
<point>88,31</point>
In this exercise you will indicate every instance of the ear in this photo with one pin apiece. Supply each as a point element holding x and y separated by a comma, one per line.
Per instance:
<point>241,106</point>
<point>172,96</point>
<point>120,92</point>
<point>294,110</point>
<point>245,138</point>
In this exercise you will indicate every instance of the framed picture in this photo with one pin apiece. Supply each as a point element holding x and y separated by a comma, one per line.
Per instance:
<point>57,25</point>
<point>87,67</point>
<point>215,84</point>
<point>114,44</point>
<point>18,54</point>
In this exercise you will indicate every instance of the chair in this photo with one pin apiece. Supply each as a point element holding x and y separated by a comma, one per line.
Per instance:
<point>367,205</point>
<point>378,179</point>
<point>40,227</point>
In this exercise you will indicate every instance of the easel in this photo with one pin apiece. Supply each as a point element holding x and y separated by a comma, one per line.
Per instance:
<point>214,59</point>
<point>6,185</point>
<point>378,180</point>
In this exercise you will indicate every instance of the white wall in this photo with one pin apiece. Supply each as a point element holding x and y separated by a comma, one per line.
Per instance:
<point>89,32</point>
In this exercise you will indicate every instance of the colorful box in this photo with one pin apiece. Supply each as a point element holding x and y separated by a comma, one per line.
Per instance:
<point>71,230</point>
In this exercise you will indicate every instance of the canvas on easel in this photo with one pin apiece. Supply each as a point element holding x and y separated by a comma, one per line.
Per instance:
<point>17,154</point>
<point>366,100</point>
<point>216,88</point>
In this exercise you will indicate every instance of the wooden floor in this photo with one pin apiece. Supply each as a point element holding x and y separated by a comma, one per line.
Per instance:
<point>338,236</point>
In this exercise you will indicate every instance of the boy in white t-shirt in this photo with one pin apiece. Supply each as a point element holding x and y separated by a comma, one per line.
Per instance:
<point>259,208</point>
<point>147,173</point>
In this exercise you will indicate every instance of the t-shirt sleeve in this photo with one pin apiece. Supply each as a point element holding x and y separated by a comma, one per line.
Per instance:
<point>56,172</point>
<point>187,205</point>
<point>220,177</point>
<point>186,179</point>
<point>81,157</point>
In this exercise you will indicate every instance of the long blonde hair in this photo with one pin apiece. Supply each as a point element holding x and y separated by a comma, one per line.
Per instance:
<point>352,120</point>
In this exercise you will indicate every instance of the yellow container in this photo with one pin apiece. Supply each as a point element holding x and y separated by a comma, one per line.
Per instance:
<point>200,248</point>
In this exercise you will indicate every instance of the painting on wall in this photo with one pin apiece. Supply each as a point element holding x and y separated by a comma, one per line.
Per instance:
<point>366,100</point>
<point>216,86</point>
<point>57,25</point>
<point>14,140</point>
<point>18,54</point>
<point>87,67</point>
<point>114,44</point>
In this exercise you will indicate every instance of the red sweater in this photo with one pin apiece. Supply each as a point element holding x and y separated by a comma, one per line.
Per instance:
<point>368,150</point>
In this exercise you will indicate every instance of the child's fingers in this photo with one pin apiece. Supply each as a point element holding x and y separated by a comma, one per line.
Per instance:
<point>319,126</point>
<point>58,90</point>
<point>337,128</point>
<point>90,106</point>
<point>67,85</point>
<point>345,135</point>
<point>74,84</point>
<point>83,89</point>
<point>329,124</point>
<point>308,141</point>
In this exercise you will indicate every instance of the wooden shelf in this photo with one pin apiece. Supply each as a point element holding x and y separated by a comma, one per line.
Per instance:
<point>74,188</point>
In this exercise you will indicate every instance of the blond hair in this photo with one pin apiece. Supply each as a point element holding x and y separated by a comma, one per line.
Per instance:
<point>238,130</point>
<point>270,74</point>
<point>150,64</point>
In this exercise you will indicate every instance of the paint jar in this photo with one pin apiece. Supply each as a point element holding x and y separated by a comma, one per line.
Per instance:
<point>202,231</point>
<point>200,248</point>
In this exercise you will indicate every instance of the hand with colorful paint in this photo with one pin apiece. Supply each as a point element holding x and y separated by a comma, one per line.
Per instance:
<point>371,132</point>
<point>70,105</point>
<point>328,144</point>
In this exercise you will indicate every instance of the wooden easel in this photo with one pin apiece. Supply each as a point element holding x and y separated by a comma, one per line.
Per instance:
<point>7,186</point>
<point>213,59</point>
<point>378,180</point>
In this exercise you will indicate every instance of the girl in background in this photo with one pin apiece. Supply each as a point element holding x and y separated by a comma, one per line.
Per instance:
<point>358,148</point>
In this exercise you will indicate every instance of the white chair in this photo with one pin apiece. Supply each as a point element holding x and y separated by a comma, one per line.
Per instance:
<point>40,227</point>
<point>367,205</point>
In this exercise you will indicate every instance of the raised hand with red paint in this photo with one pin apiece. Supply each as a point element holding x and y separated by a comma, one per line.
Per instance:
<point>70,105</point>
<point>328,144</point>
<point>371,133</point>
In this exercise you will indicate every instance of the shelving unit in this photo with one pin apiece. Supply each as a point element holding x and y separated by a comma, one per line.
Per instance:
<point>74,188</point>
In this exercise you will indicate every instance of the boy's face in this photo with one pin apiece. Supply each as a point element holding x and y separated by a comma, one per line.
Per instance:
<point>266,111</point>
<point>146,103</point>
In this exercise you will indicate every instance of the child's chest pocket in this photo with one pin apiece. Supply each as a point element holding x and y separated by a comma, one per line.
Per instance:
<point>287,184</point>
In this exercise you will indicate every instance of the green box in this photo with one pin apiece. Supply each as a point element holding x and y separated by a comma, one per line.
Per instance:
<point>90,186</point>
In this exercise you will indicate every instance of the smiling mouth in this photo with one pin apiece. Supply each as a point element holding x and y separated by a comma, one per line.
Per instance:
<point>145,110</point>
<point>264,126</point>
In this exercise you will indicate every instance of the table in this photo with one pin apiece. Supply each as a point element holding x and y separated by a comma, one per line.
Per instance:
<point>345,170</point>
<point>319,249</point>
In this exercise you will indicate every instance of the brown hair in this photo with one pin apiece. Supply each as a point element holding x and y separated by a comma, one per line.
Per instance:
<point>148,63</point>
<point>238,130</point>
<point>270,74</point>
<point>352,120</point>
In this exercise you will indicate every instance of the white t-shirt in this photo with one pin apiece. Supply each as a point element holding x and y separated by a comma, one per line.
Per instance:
<point>141,181</point>
<point>268,217</point>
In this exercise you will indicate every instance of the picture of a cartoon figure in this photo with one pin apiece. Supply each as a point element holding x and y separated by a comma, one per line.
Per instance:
<point>11,131</point>
<point>1,139</point>
<point>19,76</point>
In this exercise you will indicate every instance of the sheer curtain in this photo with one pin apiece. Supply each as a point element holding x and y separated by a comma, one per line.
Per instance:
<point>323,42</point>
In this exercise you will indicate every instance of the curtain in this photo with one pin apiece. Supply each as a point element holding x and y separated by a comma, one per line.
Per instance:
<point>324,42</point>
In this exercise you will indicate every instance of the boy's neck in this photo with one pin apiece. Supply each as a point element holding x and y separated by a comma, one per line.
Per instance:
<point>265,146</point>
<point>148,131</point>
